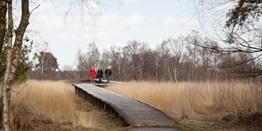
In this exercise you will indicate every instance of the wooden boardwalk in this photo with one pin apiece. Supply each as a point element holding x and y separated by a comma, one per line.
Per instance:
<point>137,115</point>
<point>103,82</point>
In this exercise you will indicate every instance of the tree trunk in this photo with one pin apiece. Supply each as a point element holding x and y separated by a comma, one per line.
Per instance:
<point>156,68</point>
<point>175,73</point>
<point>7,82</point>
<point>13,57</point>
<point>19,37</point>
<point>3,9</point>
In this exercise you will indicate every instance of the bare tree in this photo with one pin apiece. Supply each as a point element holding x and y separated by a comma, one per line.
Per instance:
<point>47,64</point>
<point>82,65</point>
<point>134,49</point>
<point>176,47</point>
<point>7,81</point>
<point>118,62</point>
<point>93,55</point>
<point>13,55</point>
<point>243,33</point>
<point>20,31</point>
<point>88,59</point>
<point>3,10</point>
<point>105,60</point>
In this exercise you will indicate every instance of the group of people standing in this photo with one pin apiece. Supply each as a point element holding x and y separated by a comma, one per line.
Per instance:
<point>99,74</point>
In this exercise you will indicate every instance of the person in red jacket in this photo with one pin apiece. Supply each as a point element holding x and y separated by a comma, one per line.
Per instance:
<point>92,74</point>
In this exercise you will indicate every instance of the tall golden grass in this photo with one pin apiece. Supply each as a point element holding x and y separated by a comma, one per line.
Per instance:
<point>205,101</point>
<point>54,102</point>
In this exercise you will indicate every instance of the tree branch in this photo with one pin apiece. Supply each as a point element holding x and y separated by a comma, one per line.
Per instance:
<point>34,9</point>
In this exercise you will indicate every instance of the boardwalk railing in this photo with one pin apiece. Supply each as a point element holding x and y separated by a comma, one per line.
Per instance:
<point>137,115</point>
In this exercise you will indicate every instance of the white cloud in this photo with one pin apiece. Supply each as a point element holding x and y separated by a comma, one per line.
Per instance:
<point>173,21</point>
<point>135,19</point>
<point>127,2</point>
<point>116,22</point>
<point>49,23</point>
<point>66,34</point>
<point>109,27</point>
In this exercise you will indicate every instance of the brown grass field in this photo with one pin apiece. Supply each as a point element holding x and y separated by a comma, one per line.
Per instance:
<point>202,105</point>
<point>52,106</point>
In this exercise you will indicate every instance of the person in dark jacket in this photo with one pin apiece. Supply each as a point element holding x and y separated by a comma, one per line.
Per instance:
<point>108,74</point>
<point>100,75</point>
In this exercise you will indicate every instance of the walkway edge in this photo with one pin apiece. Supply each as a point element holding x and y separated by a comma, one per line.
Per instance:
<point>137,115</point>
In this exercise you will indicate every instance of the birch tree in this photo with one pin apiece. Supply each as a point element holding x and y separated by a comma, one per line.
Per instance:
<point>13,54</point>
<point>7,81</point>
<point>3,9</point>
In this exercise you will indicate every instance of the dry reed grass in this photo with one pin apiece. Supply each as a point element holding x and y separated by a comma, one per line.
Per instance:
<point>53,103</point>
<point>202,101</point>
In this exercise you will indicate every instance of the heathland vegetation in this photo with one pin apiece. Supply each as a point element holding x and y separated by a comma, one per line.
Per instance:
<point>200,81</point>
<point>53,106</point>
<point>231,105</point>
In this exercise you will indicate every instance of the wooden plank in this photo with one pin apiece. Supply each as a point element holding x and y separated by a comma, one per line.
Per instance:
<point>135,113</point>
<point>103,81</point>
<point>153,129</point>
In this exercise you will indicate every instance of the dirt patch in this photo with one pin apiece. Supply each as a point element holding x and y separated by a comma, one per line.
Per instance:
<point>252,119</point>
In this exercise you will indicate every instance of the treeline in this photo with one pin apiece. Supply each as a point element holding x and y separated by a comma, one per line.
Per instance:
<point>188,58</point>
<point>179,59</point>
<point>46,67</point>
<point>56,75</point>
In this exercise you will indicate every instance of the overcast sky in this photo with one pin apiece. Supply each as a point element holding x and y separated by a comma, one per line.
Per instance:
<point>67,27</point>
